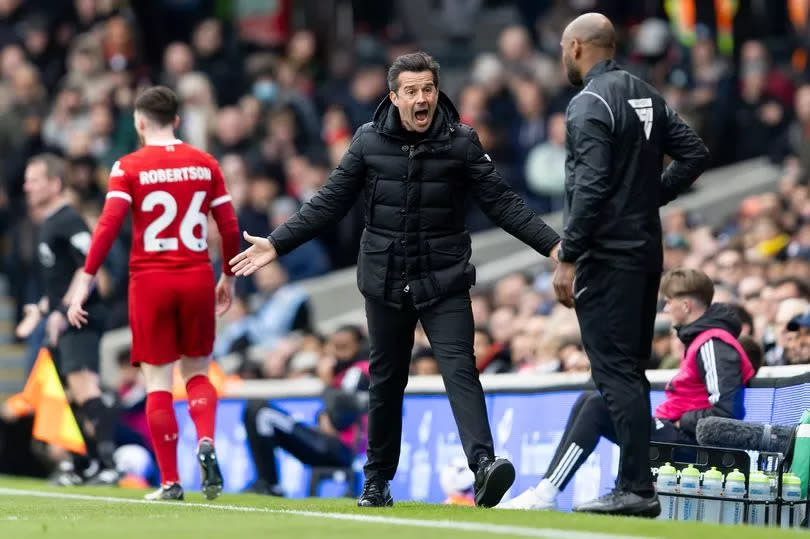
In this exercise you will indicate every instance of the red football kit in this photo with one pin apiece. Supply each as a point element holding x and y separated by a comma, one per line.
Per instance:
<point>171,188</point>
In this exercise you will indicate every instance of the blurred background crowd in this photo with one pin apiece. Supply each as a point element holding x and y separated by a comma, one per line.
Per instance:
<point>275,90</point>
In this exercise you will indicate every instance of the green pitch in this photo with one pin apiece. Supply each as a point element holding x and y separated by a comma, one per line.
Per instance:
<point>32,509</point>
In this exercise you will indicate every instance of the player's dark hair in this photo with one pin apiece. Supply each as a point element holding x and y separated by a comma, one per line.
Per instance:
<point>159,103</point>
<point>55,166</point>
<point>415,62</point>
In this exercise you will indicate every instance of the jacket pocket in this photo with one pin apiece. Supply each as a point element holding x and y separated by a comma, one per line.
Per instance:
<point>449,269</point>
<point>372,264</point>
<point>448,250</point>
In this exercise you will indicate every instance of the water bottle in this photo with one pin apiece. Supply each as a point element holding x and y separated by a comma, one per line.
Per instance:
<point>709,510</point>
<point>735,488</point>
<point>792,492</point>
<point>667,482</point>
<point>759,488</point>
<point>690,484</point>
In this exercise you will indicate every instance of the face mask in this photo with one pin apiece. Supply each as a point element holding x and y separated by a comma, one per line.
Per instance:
<point>265,90</point>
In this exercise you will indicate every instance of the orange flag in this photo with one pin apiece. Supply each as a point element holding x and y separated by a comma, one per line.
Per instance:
<point>43,394</point>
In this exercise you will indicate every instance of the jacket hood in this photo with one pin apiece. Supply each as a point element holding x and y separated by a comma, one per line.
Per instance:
<point>386,118</point>
<point>718,315</point>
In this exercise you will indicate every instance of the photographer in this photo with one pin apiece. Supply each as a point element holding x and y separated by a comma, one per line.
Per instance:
<point>341,429</point>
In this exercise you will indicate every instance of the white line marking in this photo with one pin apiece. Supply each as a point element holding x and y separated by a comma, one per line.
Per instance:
<point>480,527</point>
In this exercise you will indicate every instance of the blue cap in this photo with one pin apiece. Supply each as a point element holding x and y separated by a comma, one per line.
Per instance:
<point>801,321</point>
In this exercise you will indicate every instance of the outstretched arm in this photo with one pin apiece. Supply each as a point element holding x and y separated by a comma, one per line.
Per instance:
<point>503,205</point>
<point>330,203</point>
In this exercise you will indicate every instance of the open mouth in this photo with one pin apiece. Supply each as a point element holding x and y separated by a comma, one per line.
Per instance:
<point>421,115</point>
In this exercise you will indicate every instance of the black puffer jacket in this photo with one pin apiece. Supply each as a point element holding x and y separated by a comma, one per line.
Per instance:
<point>415,197</point>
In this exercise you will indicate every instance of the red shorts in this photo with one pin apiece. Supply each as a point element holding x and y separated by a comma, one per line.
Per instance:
<point>171,314</point>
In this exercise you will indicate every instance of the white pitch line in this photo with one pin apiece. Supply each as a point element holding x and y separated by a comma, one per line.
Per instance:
<point>480,527</point>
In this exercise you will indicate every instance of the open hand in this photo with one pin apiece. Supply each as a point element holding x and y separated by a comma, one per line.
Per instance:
<point>260,253</point>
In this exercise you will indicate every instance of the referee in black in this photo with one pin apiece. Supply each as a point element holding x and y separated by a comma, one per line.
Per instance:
<point>618,130</point>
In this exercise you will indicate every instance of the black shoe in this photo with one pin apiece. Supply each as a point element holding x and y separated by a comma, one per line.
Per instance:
<point>209,470</point>
<point>167,492</point>
<point>492,480</point>
<point>620,502</point>
<point>260,486</point>
<point>376,493</point>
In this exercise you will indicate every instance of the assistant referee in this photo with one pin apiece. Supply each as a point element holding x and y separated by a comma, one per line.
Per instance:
<point>618,130</point>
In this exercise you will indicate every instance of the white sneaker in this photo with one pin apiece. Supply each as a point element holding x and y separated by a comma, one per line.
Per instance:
<point>529,500</point>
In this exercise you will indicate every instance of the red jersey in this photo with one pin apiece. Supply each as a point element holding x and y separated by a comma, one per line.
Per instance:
<point>170,189</point>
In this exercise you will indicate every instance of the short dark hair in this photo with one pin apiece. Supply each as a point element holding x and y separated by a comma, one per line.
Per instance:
<point>801,286</point>
<point>743,315</point>
<point>55,166</point>
<point>159,103</point>
<point>688,282</point>
<point>353,330</point>
<point>416,62</point>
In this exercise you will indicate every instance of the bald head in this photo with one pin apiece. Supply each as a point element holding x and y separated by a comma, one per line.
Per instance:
<point>592,29</point>
<point>586,41</point>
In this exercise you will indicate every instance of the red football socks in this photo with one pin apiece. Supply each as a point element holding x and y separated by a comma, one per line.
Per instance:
<point>202,405</point>
<point>163,429</point>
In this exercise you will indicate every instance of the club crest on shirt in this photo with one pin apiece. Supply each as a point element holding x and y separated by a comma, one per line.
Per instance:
<point>46,256</point>
<point>81,242</point>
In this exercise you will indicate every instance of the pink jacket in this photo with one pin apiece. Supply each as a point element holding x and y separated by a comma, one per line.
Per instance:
<point>712,377</point>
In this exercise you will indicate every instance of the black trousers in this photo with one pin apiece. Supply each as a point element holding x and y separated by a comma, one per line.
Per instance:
<point>589,420</point>
<point>268,427</point>
<point>616,311</point>
<point>449,327</point>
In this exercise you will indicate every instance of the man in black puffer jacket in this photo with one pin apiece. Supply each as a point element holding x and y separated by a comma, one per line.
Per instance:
<point>415,165</point>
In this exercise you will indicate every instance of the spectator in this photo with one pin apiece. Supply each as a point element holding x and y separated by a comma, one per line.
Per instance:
<point>217,61</point>
<point>509,291</point>
<point>729,263</point>
<point>198,112</point>
<point>545,167</point>
<point>786,339</point>
<point>281,308</point>
<point>423,363</point>
<point>800,344</point>
<point>310,259</point>
<point>178,60</point>
<point>662,356</point>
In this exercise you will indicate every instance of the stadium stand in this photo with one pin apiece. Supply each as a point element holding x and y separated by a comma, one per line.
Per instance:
<point>276,95</point>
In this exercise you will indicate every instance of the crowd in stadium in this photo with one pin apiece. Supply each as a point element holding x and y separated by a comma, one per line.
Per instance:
<point>278,117</point>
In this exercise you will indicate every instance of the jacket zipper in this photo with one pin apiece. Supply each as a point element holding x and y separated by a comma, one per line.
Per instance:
<point>411,151</point>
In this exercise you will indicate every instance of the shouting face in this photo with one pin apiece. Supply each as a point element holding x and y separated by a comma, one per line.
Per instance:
<point>416,99</point>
